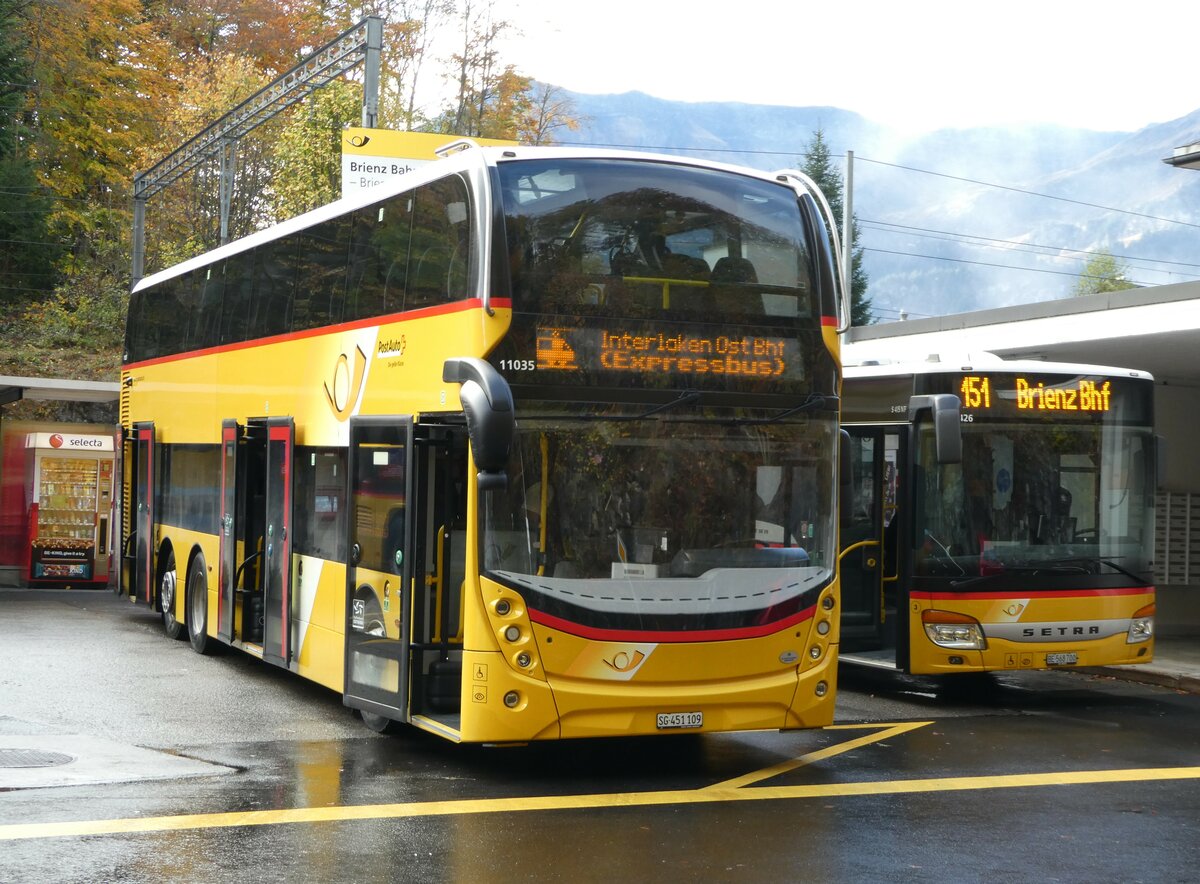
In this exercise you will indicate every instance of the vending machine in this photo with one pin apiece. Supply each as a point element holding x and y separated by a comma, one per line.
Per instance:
<point>70,513</point>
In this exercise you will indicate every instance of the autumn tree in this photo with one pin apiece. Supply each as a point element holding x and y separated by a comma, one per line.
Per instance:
<point>474,70</point>
<point>818,165</point>
<point>184,219</point>
<point>1102,273</point>
<point>95,72</point>
<point>548,111</point>
<point>273,34</point>
<point>409,34</point>
<point>27,252</point>
<point>308,151</point>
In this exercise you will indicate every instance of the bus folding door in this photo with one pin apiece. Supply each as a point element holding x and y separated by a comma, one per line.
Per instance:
<point>230,526</point>
<point>137,549</point>
<point>277,542</point>
<point>379,569</point>
<point>862,568</point>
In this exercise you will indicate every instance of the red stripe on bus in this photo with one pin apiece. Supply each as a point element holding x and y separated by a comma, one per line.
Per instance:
<point>439,310</point>
<point>1039,593</point>
<point>830,321</point>
<point>662,637</point>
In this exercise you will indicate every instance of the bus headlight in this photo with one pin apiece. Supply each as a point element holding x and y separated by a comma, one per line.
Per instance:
<point>948,629</point>
<point>1141,625</point>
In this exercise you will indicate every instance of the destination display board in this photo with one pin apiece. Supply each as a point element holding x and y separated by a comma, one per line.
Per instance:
<point>549,350</point>
<point>650,349</point>
<point>1002,396</point>
<point>1047,397</point>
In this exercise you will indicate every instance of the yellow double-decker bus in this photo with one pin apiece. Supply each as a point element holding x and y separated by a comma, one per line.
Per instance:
<point>539,444</point>
<point>1001,516</point>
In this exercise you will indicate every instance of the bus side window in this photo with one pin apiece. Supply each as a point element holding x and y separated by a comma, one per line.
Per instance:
<point>321,274</point>
<point>441,245</point>
<point>274,279</point>
<point>206,327</point>
<point>239,289</point>
<point>378,245</point>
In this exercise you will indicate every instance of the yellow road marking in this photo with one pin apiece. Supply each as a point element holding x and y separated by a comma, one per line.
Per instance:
<point>888,730</point>
<point>581,802</point>
<point>730,790</point>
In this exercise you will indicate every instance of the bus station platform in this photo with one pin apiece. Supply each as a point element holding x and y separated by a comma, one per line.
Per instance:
<point>1176,665</point>
<point>1176,661</point>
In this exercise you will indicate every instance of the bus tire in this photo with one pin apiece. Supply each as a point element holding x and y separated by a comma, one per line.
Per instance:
<point>381,724</point>
<point>197,607</point>
<point>167,588</point>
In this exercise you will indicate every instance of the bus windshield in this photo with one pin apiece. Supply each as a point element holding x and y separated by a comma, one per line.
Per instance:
<point>636,238</point>
<point>665,525</point>
<point>1043,499</point>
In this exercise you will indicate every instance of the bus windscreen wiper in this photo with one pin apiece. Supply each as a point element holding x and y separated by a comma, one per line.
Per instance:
<point>1058,567</point>
<point>1069,560</point>
<point>812,402</point>
<point>1007,570</point>
<point>686,397</point>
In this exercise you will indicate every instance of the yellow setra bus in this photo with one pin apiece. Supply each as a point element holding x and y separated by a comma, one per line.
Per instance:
<point>539,444</point>
<point>1001,516</point>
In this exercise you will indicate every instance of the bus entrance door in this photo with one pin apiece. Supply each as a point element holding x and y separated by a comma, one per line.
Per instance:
<point>137,559</point>
<point>229,527</point>
<point>255,536</point>
<point>439,505</point>
<point>864,520</point>
<point>277,541</point>
<point>379,568</point>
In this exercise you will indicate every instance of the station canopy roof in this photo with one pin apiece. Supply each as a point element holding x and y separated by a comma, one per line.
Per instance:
<point>1154,329</point>
<point>13,389</point>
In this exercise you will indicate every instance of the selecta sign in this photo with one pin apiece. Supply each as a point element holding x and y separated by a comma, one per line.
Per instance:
<point>69,442</point>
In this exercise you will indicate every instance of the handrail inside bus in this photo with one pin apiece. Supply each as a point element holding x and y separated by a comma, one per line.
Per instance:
<point>862,544</point>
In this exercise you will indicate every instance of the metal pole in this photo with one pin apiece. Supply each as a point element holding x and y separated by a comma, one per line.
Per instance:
<point>847,214</point>
<point>374,53</point>
<point>139,232</point>
<point>227,163</point>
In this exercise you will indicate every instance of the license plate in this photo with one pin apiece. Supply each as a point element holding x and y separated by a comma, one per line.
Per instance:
<point>672,720</point>
<point>1062,659</point>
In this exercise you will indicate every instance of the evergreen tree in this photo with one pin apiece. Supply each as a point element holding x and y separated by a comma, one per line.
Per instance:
<point>819,167</point>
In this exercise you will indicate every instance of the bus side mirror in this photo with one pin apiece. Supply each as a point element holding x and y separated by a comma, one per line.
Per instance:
<point>491,419</point>
<point>947,424</point>
<point>1160,460</point>
<point>845,473</point>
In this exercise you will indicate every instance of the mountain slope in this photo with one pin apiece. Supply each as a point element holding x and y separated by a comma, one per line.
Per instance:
<point>957,219</point>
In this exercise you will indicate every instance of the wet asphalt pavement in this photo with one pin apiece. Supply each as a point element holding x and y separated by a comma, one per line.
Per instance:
<point>1029,776</point>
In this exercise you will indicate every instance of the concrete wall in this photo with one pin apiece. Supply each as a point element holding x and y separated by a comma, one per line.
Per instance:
<point>1177,420</point>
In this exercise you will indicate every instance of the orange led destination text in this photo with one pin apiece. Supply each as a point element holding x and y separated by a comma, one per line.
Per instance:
<point>648,353</point>
<point>1088,396</point>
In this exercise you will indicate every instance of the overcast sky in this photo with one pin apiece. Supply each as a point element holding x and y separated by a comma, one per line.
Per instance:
<point>919,65</point>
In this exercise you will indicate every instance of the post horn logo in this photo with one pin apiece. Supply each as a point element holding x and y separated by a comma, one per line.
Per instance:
<point>622,661</point>
<point>343,391</point>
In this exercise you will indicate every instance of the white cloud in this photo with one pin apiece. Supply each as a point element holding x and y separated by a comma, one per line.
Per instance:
<point>917,65</point>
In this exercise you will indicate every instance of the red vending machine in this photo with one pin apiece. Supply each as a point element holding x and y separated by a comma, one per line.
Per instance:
<point>70,515</point>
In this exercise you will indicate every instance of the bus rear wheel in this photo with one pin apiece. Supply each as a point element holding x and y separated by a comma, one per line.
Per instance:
<point>166,599</point>
<point>197,607</point>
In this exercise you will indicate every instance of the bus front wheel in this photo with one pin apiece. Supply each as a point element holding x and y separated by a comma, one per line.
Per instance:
<point>381,724</point>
